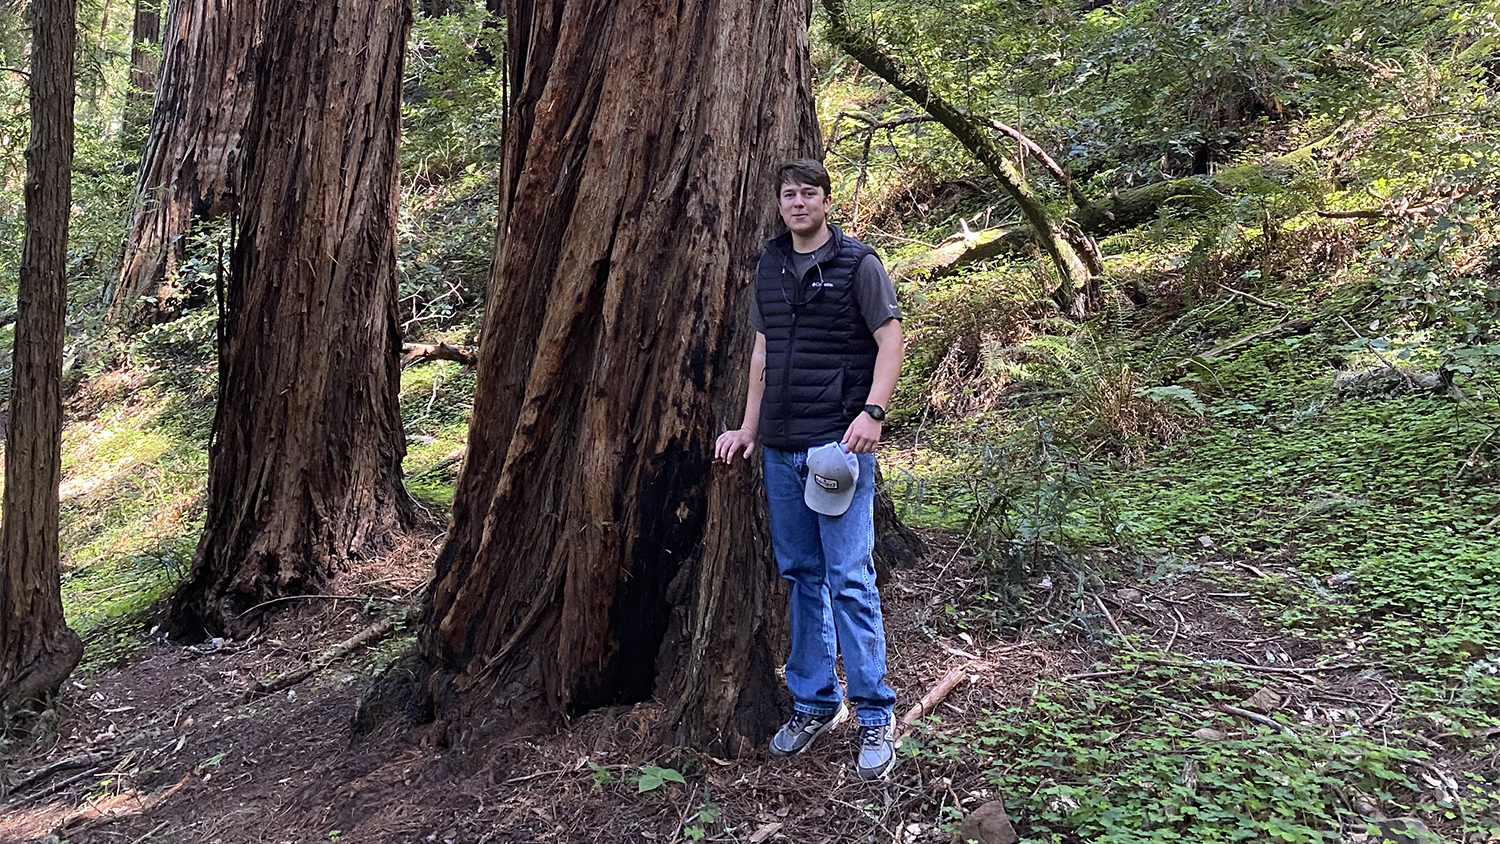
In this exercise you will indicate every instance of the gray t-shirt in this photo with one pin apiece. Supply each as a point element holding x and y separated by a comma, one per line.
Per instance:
<point>873,291</point>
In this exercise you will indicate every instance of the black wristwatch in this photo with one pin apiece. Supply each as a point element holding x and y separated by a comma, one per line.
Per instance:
<point>876,412</point>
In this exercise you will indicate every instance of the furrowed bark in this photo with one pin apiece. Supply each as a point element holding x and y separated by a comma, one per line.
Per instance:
<point>1069,250</point>
<point>596,554</point>
<point>37,650</point>
<point>305,462</point>
<point>187,172</point>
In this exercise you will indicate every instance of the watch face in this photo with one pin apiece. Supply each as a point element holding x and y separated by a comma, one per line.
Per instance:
<point>876,412</point>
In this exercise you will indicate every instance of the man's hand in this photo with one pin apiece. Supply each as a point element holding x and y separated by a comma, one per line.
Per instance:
<point>731,442</point>
<point>863,434</point>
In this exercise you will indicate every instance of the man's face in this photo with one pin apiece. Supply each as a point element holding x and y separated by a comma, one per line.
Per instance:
<point>804,208</point>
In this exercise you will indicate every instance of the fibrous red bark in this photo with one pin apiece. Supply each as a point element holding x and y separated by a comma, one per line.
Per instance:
<point>305,462</point>
<point>37,650</point>
<point>596,555</point>
<point>203,98</point>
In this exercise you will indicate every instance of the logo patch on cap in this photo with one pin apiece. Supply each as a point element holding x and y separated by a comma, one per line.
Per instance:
<point>827,483</point>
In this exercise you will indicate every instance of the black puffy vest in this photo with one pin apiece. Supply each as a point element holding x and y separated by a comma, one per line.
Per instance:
<point>820,356</point>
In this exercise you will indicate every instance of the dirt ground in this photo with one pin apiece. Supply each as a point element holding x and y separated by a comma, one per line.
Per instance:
<point>175,747</point>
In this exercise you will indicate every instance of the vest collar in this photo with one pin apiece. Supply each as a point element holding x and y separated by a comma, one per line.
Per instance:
<point>827,251</point>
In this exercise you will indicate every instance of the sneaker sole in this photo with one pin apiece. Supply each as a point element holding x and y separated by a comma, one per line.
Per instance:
<point>877,773</point>
<point>838,718</point>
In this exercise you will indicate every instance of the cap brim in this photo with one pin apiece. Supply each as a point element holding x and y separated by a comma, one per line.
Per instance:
<point>827,503</point>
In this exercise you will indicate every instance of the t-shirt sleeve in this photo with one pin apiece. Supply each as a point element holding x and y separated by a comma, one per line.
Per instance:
<point>757,322</point>
<point>875,293</point>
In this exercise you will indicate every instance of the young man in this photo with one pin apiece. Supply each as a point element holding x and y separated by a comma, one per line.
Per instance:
<point>827,353</point>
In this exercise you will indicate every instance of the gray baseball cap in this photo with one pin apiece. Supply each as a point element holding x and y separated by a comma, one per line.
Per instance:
<point>832,474</point>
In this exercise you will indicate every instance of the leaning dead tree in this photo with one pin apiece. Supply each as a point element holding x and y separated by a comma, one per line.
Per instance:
<point>37,650</point>
<point>596,555</point>
<point>203,97</point>
<point>305,462</point>
<point>1071,251</point>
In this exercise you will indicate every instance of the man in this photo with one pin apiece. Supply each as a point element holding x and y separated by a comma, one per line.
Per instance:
<point>827,353</point>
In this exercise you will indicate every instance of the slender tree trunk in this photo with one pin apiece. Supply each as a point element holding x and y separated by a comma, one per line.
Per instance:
<point>187,171</point>
<point>596,555</point>
<point>1071,250</point>
<point>37,650</point>
<point>144,62</point>
<point>305,463</point>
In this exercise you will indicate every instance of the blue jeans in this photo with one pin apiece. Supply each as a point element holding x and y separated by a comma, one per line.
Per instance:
<point>834,604</point>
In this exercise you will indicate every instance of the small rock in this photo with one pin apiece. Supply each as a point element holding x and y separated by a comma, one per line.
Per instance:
<point>1368,806</point>
<point>1404,831</point>
<point>1264,701</point>
<point>1128,595</point>
<point>1208,734</point>
<point>1341,580</point>
<point>988,825</point>
<point>1206,541</point>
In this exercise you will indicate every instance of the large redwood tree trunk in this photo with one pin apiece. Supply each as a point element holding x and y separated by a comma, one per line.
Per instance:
<point>203,98</point>
<point>305,463</point>
<point>37,650</point>
<point>596,555</point>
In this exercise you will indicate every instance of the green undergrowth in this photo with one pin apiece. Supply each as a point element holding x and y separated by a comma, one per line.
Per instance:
<point>436,400</point>
<point>1351,454</point>
<point>1147,755</point>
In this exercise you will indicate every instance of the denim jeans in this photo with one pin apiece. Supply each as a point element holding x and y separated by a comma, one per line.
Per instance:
<point>834,604</point>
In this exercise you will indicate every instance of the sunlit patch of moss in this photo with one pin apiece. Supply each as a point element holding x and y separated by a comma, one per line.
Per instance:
<point>134,468</point>
<point>436,400</point>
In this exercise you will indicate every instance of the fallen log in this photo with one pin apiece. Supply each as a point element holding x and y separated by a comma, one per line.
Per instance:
<point>1291,326</point>
<point>415,353</point>
<point>972,248</point>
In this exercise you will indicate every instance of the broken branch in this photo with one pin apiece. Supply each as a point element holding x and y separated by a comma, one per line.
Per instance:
<point>935,695</point>
<point>367,636</point>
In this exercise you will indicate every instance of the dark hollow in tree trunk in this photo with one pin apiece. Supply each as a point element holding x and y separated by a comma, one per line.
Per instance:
<point>187,171</point>
<point>37,650</point>
<point>596,554</point>
<point>305,462</point>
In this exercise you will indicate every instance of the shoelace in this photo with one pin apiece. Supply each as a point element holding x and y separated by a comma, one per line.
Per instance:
<point>872,737</point>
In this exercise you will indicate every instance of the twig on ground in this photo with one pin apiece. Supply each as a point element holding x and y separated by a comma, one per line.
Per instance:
<point>369,635</point>
<point>1380,713</point>
<point>57,786</point>
<point>154,830</point>
<point>1113,625</point>
<point>1256,299</point>
<point>1176,626</point>
<point>1293,326</point>
<point>1247,567</point>
<point>324,597</point>
<point>1092,675</point>
<point>1257,718</point>
<point>1260,669</point>
<point>84,761</point>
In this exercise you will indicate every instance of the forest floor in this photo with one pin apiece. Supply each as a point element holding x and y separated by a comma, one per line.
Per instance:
<point>173,746</point>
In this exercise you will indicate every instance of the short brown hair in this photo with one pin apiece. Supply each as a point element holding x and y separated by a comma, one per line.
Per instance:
<point>804,171</point>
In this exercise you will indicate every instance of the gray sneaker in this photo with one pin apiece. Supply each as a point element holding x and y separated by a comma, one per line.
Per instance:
<point>797,734</point>
<point>877,751</point>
